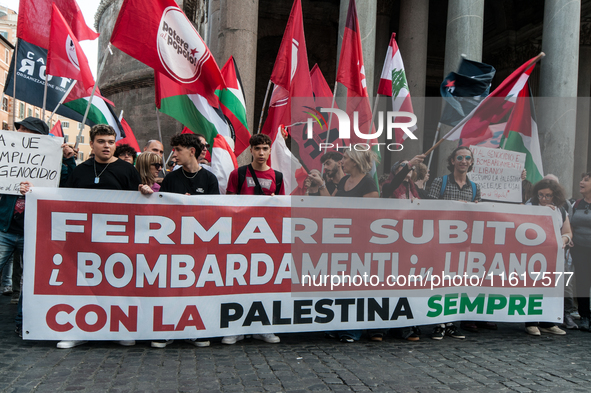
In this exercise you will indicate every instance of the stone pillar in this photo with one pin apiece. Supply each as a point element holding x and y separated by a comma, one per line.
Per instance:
<point>558,88</point>
<point>412,42</point>
<point>583,105</point>
<point>233,32</point>
<point>366,13</point>
<point>465,23</point>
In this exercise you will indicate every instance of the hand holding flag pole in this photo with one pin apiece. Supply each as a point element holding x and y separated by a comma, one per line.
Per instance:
<point>66,94</point>
<point>98,76</point>
<point>435,146</point>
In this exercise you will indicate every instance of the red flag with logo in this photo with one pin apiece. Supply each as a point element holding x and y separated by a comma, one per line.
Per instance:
<point>65,57</point>
<point>159,34</point>
<point>351,73</point>
<point>293,90</point>
<point>35,16</point>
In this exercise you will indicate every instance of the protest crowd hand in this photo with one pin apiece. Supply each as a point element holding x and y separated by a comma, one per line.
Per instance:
<point>416,160</point>
<point>523,174</point>
<point>145,189</point>
<point>315,178</point>
<point>25,187</point>
<point>69,151</point>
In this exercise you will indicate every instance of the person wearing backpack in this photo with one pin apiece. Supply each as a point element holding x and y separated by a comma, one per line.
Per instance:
<point>456,186</point>
<point>257,178</point>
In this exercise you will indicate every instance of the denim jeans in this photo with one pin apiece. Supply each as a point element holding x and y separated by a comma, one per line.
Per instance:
<point>7,274</point>
<point>9,244</point>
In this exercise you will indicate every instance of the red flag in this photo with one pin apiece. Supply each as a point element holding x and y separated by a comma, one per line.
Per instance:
<point>351,73</point>
<point>65,57</point>
<point>129,137</point>
<point>57,129</point>
<point>158,33</point>
<point>293,91</point>
<point>35,16</point>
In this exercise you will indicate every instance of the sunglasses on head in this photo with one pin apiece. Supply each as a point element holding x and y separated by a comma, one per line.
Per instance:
<point>460,158</point>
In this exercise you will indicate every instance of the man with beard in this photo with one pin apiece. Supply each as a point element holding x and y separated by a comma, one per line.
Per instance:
<point>333,173</point>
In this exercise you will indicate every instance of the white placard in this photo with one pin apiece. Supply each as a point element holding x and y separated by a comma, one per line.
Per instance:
<point>498,172</point>
<point>29,157</point>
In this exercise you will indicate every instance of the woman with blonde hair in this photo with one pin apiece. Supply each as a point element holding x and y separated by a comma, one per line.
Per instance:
<point>148,164</point>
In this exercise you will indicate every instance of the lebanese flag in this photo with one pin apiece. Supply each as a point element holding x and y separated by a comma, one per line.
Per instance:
<point>292,94</point>
<point>57,129</point>
<point>233,105</point>
<point>65,57</point>
<point>159,34</point>
<point>351,73</point>
<point>475,127</point>
<point>34,20</point>
<point>393,84</point>
<point>129,137</point>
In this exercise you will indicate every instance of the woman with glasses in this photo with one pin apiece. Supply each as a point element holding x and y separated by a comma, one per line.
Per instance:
<point>148,164</point>
<point>581,251</point>
<point>549,193</point>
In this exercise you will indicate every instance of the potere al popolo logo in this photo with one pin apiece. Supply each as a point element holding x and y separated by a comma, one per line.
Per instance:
<point>180,48</point>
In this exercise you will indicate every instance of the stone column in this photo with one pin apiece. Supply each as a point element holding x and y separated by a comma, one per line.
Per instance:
<point>465,23</point>
<point>233,32</point>
<point>583,106</point>
<point>558,80</point>
<point>366,13</point>
<point>412,42</point>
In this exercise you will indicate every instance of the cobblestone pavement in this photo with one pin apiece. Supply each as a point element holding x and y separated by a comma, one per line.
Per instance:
<point>489,361</point>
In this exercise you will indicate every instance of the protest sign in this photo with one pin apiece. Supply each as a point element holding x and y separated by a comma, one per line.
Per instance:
<point>29,157</point>
<point>498,172</point>
<point>114,265</point>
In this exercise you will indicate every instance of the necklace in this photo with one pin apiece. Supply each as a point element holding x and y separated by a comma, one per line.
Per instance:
<point>97,178</point>
<point>189,177</point>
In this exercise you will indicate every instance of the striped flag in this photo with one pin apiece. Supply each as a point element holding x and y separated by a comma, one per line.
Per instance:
<point>233,105</point>
<point>196,114</point>
<point>393,84</point>
<point>101,112</point>
<point>57,129</point>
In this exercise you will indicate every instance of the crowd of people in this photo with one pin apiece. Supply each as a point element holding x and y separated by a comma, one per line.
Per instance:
<point>346,174</point>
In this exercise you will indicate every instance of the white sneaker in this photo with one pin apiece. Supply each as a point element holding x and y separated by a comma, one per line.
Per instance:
<point>198,343</point>
<point>126,343</point>
<point>553,330</point>
<point>66,344</point>
<point>533,330</point>
<point>160,343</point>
<point>267,337</point>
<point>229,340</point>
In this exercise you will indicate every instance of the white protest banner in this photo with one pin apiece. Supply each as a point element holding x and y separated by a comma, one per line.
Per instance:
<point>498,172</point>
<point>29,157</point>
<point>117,265</point>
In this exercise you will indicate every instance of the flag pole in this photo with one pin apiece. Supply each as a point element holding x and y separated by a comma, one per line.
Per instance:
<point>334,96</point>
<point>66,94</point>
<point>264,105</point>
<point>44,96</point>
<point>14,84</point>
<point>373,113</point>
<point>434,143</point>
<point>98,76</point>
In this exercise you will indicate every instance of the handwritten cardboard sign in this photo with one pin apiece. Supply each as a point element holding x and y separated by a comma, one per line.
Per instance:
<point>498,172</point>
<point>29,157</point>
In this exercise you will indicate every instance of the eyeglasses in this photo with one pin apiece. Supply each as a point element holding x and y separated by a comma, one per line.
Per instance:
<point>460,158</point>
<point>157,165</point>
<point>547,197</point>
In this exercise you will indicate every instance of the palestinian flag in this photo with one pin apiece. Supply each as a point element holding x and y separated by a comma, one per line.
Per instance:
<point>198,116</point>
<point>101,112</point>
<point>192,110</point>
<point>233,105</point>
<point>521,135</point>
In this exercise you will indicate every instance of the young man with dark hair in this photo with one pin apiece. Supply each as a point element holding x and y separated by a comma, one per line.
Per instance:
<point>126,153</point>
<point>333,173</point>
<point>190,179</point>
<point>257,178</point>
<point>104,171</point>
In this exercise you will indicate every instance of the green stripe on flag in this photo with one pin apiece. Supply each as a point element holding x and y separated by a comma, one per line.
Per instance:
<point>234,104</point>
<point>183,109</point>
<point>515,143</point>
<point>94,114</point>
